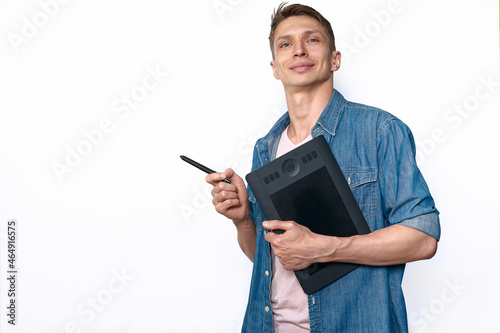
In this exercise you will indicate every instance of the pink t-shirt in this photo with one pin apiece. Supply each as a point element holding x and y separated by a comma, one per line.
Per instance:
<point>288,300</point>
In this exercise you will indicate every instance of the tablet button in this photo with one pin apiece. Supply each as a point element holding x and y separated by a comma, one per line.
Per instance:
<point>266,180</point>
<point>290,167</point>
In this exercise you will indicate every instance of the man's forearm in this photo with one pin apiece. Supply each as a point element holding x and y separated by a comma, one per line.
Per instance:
<point>393,245</point>
<point>246,236</point>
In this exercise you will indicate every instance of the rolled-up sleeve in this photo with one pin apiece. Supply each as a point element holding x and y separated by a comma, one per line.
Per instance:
<point>405,196</point>
<point>428,223</point>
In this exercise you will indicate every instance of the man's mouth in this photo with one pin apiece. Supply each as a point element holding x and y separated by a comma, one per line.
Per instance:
<point>301,67</point>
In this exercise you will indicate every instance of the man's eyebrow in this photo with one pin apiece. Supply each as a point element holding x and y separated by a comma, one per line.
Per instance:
<point>307,32</point>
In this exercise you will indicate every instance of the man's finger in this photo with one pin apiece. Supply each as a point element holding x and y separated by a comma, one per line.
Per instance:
<point>215,178</point>
<point>225,195</point>
<point>277,225</point>
<point>229,172</point>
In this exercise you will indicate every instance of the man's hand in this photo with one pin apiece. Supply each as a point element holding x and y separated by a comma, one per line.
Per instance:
<point>298,247</point>
<point>230,200</point>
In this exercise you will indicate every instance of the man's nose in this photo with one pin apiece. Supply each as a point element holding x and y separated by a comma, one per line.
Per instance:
<point>300,50</point>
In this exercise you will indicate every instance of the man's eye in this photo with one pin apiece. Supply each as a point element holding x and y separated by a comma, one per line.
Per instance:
<point>285,45</point>
<point>314,40</point>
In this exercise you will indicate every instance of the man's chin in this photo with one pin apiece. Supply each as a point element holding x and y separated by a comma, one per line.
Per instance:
<point>303,84</point>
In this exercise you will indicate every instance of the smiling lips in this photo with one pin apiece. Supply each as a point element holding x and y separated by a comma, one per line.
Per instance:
<point>301,67</point>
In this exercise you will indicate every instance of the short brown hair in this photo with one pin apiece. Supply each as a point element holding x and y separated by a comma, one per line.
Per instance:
<point>283,12</point>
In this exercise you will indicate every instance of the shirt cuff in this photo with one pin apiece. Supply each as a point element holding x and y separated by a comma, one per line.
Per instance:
<point>428,223</point>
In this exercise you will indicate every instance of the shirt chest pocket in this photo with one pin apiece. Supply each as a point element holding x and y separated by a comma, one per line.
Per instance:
<point>363,185</point>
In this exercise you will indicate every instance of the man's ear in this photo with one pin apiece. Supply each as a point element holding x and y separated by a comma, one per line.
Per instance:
<point>275,72</point>
<point>336,56</point>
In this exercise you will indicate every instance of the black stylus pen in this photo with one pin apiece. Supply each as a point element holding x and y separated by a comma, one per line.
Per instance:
<point>201,167</point>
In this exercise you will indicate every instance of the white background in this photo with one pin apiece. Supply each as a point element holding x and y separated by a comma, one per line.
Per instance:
<point>131,208</point>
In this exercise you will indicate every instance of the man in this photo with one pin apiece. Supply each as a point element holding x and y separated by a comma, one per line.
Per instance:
<point>376,153</point>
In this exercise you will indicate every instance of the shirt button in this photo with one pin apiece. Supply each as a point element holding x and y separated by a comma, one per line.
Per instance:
<point>267,273</point>
<point>266,308</point>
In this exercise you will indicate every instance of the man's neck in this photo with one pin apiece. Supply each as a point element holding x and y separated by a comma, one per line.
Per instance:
<point>304,108</point>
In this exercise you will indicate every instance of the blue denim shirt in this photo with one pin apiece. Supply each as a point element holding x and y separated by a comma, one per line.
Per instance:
<point>376,153</point>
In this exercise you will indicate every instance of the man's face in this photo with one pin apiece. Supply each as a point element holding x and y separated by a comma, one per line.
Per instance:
<point>302,53</point>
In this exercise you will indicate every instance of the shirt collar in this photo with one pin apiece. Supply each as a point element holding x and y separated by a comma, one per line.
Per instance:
<point>330,117</point>
<point>327,122</point>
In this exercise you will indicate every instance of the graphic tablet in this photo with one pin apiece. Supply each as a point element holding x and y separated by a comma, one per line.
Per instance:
<point>306,185</point>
